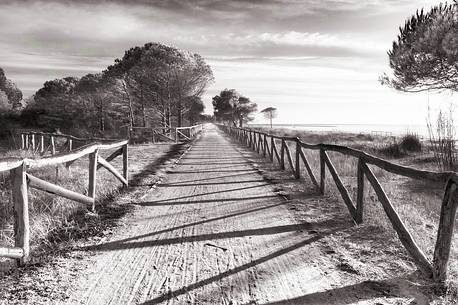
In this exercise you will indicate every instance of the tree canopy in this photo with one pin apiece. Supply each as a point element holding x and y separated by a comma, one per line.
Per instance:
<point>230,106</point>
<point>10,95</point>
<point>153,85</point>
<point>425,54</point>
<point>269,113</point>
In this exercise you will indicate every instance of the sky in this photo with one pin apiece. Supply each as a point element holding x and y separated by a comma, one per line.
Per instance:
<point>316,61</point>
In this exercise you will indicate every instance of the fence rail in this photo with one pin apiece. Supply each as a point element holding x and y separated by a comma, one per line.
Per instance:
<point>21,180</point>
<point>437,269</point>
<point>43,142</point>
<point>169,134</point>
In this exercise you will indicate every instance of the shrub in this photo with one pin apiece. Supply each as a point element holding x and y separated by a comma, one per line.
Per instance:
<point>410,143</point>
<point>392,150</point>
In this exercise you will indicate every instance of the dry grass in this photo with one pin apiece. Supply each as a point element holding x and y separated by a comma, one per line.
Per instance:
<point>418,203</point>
<point>50,213</point>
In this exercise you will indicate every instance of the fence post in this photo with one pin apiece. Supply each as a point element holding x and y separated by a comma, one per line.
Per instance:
<point>176,135</point>
<point>92,176</point>
<point>322,171</point>
<point>21,211</point>
<point>259,143</point>
<point>282,154</point>
<point>70,144</point>
<point>272,149</point>
<point>297,174</point>
<point>22,141</point>
<point>53,146</point>
<point>33,142</point>
<point>360,193</point>
<point>445,232</point>
<point>42,144</point>
<point>125,162</point>
<point>27,144</point>
<point>264,145</point>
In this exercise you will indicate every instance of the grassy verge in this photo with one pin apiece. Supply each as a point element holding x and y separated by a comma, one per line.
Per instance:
<point>418,203</point>
<point>55,222</point>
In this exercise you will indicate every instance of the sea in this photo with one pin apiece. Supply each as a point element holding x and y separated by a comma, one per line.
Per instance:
<point>373,129</point>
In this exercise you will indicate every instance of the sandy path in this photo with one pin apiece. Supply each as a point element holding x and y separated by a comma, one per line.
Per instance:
<point>214,232</point>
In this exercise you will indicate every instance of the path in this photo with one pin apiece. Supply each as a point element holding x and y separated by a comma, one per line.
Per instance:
<point>214,232</point>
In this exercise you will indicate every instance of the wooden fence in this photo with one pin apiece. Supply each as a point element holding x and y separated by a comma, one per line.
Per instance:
<point>265,144</point>
<point>21,180</point>
<point>167,134</point>
<point>42,142</point>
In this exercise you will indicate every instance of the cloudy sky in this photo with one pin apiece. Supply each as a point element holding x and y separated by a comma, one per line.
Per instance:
<point>317,61</point>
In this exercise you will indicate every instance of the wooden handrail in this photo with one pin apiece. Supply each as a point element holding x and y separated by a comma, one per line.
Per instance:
<point>368,158</point>
<point>60,135</point>
<point>438,268</point>
<point>21,180</point>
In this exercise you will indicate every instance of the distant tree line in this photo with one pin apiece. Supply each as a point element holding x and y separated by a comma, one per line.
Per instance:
<point>154,85</point>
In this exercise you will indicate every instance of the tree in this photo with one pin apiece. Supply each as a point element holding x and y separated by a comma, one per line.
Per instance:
<point>11,91</point>
<point>162,78</point>
<point>196,108</point>
<point>231,107</point>
<point>270,113</point>
<point>425,55</point>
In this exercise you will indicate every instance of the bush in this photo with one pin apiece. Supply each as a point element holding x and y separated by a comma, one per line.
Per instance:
<point>392,150</point>
<point>410,143</point>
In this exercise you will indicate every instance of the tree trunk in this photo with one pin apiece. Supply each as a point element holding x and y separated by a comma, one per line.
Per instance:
<point>143,106</point>
<point>179,113</point>
<point>168,118</point>
<point>131,111</point>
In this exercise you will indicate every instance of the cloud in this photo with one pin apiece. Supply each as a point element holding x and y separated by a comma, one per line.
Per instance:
<point>285,52</point>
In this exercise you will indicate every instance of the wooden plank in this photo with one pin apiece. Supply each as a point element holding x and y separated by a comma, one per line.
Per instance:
<point>111,169</point>
<point>406,239</point>
<point>264,149</point>
<point>70,156</point>
<point>112,156</point>
<point>125,163</point>
<point>445,231</point>
<point>33,142</point>
<point>405,171</point>
<point>288,156</point>
<point>309,169</point>
<point>92,177</point>
<point>342,189</point>
<point>282,154</point>
<point>268,150</point>
<point>7,164</point>
<point>21,212</point>
<point>51,188</point>
<point>12,252</point>
<point>274,147</point>
<point>53,146</point>
<point>22,141</point>
<point>42,144</point>
<point>259,143</point>
<point>360,193</point>
<point>297,173</point>
<point>322,172</point>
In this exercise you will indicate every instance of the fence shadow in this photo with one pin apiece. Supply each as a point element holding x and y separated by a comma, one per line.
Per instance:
<point>222,275</point>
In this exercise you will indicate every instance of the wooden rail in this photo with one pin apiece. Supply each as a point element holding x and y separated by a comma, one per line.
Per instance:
<point>43,142</point>
<point>21,181</point>
<point>188,132</point>
<point>437,269</point>
<point>168,133</point>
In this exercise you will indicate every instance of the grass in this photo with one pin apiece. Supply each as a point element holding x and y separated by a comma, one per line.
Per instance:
<point>417,203</point>
<point>52,216</point>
